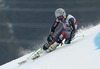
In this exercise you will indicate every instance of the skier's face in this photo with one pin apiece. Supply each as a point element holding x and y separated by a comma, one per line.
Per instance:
<point>61,18</point>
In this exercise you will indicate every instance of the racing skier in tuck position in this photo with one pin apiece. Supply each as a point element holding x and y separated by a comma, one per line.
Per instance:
<point>67,31</point>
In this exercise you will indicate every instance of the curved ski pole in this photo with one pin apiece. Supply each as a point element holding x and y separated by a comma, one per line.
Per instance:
<point>78,36</point>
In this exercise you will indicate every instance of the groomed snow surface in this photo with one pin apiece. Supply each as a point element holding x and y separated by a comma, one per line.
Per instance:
<point>82,53</point>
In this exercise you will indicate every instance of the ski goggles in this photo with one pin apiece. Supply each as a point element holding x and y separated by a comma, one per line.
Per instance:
<point>60,17</point>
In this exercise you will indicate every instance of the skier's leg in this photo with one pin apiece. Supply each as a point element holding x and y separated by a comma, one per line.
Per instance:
<point>59,37</point>
<point>55,37</point>
<point>58,33</point>
<point>69,35</point>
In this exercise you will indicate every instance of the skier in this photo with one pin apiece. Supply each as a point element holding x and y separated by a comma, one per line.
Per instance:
<point>67,31</point>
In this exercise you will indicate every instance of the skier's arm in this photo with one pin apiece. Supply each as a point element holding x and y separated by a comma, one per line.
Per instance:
<point>71,22</point>
<point>72,27</point>
<point>52,29</point>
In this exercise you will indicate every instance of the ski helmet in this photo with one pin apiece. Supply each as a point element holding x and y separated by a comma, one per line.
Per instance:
<point>60,12</point>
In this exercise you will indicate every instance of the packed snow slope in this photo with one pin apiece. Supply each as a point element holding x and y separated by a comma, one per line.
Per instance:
<point>82,53</point>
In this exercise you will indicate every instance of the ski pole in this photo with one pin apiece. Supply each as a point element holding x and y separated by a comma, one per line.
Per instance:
<point>78,36</point>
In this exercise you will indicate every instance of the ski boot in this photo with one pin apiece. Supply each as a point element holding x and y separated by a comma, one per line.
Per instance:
<point>52,47</point>
<point>46,46</point>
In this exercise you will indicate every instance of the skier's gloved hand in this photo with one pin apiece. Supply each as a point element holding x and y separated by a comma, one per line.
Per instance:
<point>50,38</point>
<point>67,41</point>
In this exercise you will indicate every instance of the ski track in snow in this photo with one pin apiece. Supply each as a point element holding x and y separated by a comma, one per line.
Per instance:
<point>80,54</point>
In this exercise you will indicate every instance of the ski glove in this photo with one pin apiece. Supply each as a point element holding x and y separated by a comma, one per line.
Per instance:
<point>50,38</point>
<point>68,40</point>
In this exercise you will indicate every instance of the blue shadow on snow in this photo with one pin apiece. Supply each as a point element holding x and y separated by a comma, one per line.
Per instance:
<point>97,40</point>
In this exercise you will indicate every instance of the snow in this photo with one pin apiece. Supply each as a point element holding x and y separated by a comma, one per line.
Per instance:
<point>80,54</point>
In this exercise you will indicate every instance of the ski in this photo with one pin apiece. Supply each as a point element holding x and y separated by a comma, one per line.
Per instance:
<point>24,61</point>
<point>33,56</point>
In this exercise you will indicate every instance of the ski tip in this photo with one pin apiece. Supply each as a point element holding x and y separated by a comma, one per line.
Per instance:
<point>22,62</point>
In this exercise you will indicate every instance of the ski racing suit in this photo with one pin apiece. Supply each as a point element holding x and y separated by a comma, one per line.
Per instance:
<point>67,31</point>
